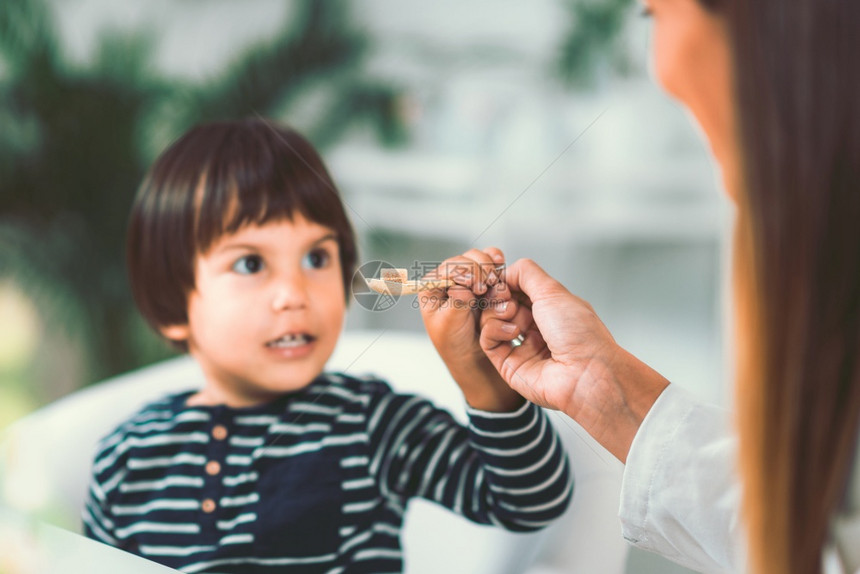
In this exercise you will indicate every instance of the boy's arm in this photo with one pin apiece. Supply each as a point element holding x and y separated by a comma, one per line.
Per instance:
<point>507,469</point>
<point>108,472</point>
<point>452,319</point>
<point>97,521</point>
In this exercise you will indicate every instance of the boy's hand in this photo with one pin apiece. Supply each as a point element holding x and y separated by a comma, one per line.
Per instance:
<point>452,319</point>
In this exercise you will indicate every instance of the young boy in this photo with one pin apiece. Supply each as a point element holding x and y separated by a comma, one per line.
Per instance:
<point>240,252</point>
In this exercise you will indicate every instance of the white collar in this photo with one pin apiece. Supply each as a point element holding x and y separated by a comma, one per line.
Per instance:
<point>842,555</point>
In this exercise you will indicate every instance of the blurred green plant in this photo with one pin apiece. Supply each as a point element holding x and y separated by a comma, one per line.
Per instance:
<point>77,138</point>
<point>593,41</point>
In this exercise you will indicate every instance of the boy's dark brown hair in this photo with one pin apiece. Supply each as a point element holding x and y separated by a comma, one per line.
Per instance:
<point>213,180</point>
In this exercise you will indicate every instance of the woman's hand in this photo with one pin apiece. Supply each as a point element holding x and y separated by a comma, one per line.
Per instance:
<point>452,319</point>
<point>567,360</point>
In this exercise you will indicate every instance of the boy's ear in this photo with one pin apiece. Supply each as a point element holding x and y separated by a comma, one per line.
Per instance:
<point>176,332</point>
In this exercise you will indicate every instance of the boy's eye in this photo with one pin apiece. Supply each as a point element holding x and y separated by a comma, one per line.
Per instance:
<point>317,259</point>
<point>248,265</point>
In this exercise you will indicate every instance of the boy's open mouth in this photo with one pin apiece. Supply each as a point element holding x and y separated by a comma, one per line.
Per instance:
<point>291,340</point>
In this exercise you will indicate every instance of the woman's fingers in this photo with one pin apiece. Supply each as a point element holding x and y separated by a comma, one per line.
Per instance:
<point>495,254</point>
<point>504,324</point>
<point>519,362</point>
<point>480,267</point>
<point>507,310</point>
<point>495,332</point>
<point>528,278</point>
<point>476,274</point>
<point>475,269</point>
<point>494,276</point>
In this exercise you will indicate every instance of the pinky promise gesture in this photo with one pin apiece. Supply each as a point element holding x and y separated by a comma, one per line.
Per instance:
<point>567,360</point>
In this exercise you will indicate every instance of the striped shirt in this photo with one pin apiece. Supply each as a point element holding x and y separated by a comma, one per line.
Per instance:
<point>315,481</point>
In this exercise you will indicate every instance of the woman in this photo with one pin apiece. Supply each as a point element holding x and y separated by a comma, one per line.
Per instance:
<point>775,86</point>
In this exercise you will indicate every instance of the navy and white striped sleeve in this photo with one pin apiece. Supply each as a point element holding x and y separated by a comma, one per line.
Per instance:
<point>507,469</point>
<point>97,521</point>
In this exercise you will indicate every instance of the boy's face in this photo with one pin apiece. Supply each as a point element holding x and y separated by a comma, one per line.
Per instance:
<point>266,311</point>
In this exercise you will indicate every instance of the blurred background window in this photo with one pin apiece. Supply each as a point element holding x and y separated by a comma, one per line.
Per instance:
<point>534,127</point>
<point>531,126</point>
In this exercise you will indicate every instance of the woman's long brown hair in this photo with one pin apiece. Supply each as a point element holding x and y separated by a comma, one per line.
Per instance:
<point>797,270</point>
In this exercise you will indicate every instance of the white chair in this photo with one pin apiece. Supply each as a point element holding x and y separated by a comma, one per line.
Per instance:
<point>45,464</point>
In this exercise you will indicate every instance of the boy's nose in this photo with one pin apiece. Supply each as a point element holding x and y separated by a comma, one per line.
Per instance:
<point>290,294</point>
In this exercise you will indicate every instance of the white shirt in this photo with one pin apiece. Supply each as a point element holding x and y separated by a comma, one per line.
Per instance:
<point>680,495</point>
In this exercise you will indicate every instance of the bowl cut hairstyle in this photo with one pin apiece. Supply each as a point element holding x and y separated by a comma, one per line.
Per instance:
<point>212,181</point>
